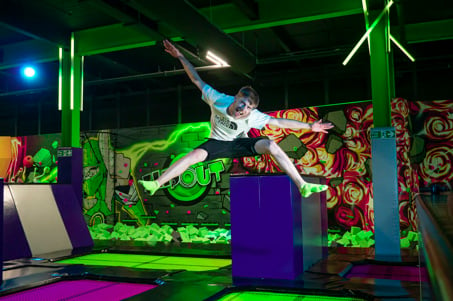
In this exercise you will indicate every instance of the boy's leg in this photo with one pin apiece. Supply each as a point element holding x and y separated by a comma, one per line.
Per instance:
<point>176,169</point>
<point>265,146</point>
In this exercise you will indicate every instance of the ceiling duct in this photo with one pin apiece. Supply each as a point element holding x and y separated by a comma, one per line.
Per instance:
<point>194,27</point>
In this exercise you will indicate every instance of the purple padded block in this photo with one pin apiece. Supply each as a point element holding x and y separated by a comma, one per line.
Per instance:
<point>15,244</point>
<point>72,215</point>
<point>324,222</point>
<point>274,234</point>
<point>265,232</point>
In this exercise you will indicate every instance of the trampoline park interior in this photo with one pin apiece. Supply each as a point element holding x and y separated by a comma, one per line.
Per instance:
<point>104,106</point>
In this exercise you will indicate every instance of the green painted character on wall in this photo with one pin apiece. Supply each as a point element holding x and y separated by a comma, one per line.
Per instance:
<point>97,201</point>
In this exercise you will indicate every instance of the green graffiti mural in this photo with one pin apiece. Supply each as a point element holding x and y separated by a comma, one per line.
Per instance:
<point>194,182</point>
<point>136,154</point>
<point>94,182</point>
<point>137,150</point>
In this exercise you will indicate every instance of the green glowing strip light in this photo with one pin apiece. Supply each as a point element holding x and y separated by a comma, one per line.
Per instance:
<point>367,33</point>
<point>72,72</point>
<point>387,28</point>
<point>365,9</point>
<point>367,24</point>
<point>259,296</point>
<point>60,78</point>
<point>81,82</point>
<point>343,103</point>
<point>402,48</point>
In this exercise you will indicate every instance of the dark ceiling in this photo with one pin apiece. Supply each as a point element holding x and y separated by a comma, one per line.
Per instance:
<point>290,50</point>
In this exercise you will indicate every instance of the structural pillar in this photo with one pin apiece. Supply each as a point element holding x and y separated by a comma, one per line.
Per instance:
<point>70,102</point>
<point>70,95</point>
<point>383,139</point>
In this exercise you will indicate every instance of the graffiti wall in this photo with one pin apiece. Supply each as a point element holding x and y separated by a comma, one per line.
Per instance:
<point>199,196</point>
<point>31,159</point>
<point>115,160</point>
<point>343,156</point>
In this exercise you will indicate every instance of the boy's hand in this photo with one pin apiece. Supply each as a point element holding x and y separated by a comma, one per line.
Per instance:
<point>317,126</point>
<point>171,49</point>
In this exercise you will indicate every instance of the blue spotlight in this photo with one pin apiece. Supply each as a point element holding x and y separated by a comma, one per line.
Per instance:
<point>29,72</point>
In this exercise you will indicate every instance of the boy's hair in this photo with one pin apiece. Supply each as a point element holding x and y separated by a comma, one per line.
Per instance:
<point>250,94</point>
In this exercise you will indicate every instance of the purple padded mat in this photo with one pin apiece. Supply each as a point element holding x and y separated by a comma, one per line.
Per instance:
<point>81,290</point>
<point>392,272</point>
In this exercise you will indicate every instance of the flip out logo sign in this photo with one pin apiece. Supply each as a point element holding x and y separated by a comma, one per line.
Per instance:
<point>194,182</point>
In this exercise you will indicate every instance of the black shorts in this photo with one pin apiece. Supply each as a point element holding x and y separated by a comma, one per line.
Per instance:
<point>240,147</point>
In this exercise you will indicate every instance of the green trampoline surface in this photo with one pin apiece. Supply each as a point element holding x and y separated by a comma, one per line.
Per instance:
<point>150,261</point>
<point>273,296</point>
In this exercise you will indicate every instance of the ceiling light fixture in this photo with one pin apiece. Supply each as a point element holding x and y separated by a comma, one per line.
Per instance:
<point>402,49</point>
<point>60,78</point>
<point>29,71</point>
<point>367,33</point>
<point>215,59</point>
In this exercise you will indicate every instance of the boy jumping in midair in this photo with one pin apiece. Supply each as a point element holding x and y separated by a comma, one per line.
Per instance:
<point>231,118</point>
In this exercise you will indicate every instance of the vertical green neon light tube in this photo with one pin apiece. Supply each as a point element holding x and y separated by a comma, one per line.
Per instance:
<point>60,78</point>
<point>389,44</point>
<point>72,73</point>
<point>367,23</point>
<point>81,82</point>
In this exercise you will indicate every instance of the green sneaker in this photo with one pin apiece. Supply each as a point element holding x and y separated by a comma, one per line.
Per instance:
<point>308,188</point>
<point>151,186</point>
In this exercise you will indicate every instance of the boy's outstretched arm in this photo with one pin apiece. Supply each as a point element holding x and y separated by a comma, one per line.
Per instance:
<point>317,126</point>
<point>188,67</point>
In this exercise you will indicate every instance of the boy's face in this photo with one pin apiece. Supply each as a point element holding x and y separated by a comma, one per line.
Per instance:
<point>241,107</point>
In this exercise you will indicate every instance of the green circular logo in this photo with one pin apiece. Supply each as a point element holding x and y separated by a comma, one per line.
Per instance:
<point>188,188</point>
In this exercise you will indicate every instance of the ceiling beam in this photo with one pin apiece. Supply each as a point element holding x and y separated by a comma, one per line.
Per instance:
<point>31,24</point>
<point>248,8</point>
<point>113,38</point>
<point>429,31</point>
<point>231,19</point>
<point>135,30</point>
<point>111,8</point>
<point>31,51</point>
<point>284,39</point>
<point>112,64</point>
<point>189,23</point>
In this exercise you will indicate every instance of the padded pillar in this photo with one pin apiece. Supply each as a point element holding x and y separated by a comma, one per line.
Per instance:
<point>385,194</point>
<point>70,169</point>
<point>276,234</point>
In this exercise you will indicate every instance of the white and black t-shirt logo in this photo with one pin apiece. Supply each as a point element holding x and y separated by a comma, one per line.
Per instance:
<point>225,122</point>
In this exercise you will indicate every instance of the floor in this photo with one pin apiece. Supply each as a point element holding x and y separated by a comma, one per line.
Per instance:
<point>203,272</point>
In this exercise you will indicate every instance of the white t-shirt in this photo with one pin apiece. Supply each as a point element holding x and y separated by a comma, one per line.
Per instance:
<point>223,126</point>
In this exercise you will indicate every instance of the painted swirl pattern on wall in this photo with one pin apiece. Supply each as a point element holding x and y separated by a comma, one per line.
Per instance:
<point>424,152</point>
